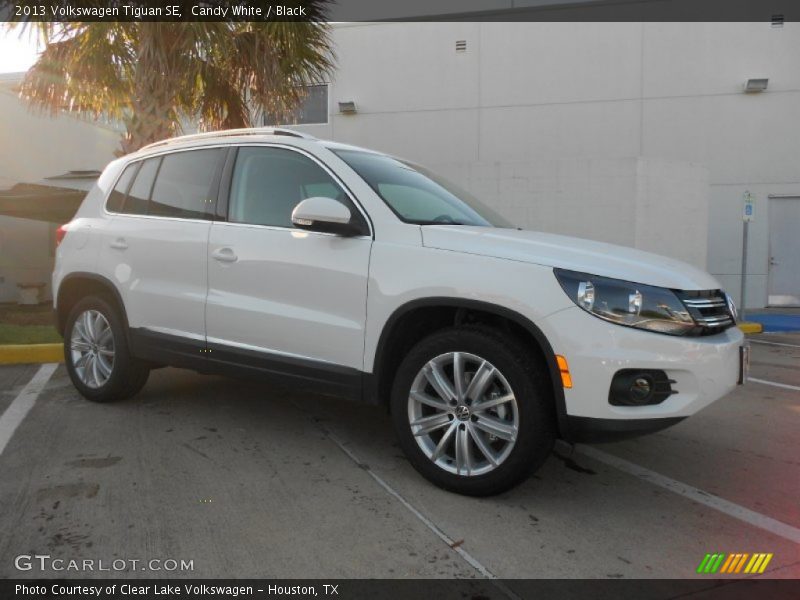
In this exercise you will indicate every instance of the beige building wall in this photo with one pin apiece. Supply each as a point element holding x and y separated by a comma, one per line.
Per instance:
<point>34,146</point>
<point>667,97</point>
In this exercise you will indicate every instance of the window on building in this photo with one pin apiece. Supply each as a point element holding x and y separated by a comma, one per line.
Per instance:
<point>183,186</point>
<point>312,110</point>
<point>269,182</point>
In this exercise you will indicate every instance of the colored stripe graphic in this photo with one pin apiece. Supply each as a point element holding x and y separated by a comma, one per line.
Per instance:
<point>736,562</point>
<point>702,567</point>
<point>711,562</point>
<point>742,560</point>
<point>727,564</point>
<point>758,563</point>
<point>715,566</point>
<point>753,562</point>
<point>766,562</point>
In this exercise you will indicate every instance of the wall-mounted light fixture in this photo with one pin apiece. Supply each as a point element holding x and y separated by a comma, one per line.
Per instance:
<point>755,85</point>
<point>347,108</point>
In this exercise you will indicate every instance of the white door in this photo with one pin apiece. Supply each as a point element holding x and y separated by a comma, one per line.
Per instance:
<point>276,292</point>
<point>784,251</point>
<point>155,248</point>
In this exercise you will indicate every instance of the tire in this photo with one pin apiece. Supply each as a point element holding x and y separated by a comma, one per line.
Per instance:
<point>119,376</point>
<point>529,407</point>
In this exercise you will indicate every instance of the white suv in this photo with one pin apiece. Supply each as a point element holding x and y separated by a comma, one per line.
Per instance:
<point>352,273</point>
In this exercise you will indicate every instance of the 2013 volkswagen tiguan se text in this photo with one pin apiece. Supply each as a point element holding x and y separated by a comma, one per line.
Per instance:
<point>349,272</point>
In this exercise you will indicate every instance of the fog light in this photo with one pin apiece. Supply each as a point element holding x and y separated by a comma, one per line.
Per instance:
<point>640,387</point>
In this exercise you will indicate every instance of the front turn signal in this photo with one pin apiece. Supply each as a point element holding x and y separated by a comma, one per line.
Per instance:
<point>563,367</point>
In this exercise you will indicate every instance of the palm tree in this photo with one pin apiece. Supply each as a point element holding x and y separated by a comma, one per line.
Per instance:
<point>154,76</point>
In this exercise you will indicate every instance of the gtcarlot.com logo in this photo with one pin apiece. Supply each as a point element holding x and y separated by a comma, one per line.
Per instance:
<point>743,562</point>
<point>44,562</point>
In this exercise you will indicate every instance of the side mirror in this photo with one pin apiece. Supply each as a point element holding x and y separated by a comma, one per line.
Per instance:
<point>326,215</point>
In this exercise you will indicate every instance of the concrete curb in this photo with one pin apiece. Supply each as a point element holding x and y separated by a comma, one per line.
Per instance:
<point>31,353</point>
<point>748,327</point>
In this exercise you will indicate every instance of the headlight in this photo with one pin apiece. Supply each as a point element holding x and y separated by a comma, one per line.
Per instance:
<point>731,306</point>
<point>627,303</point>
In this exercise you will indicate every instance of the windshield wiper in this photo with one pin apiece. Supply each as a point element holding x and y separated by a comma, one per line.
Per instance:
<point>431,222</point>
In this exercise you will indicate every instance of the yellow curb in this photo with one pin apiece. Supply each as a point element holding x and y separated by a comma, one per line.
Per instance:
<point>15,354</point>
<point>749,327</point>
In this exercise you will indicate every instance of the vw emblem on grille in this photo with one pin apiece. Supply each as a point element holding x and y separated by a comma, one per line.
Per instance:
<point>462,412</point>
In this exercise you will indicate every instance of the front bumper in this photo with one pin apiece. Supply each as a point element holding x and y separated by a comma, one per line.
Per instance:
<point>704,369</point>
<point>590,430</point>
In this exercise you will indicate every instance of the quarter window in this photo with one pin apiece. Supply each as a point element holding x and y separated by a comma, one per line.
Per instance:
<point>117,197</point>
<point>269,182</point>
<point>136,201</point>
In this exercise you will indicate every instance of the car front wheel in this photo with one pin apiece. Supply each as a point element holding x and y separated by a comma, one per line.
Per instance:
<point>473,410</point>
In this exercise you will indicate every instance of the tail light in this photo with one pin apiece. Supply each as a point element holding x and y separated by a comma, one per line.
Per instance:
<point>61,232</point>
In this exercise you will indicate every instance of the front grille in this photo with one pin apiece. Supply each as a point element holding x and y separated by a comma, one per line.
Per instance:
<point>709,309</point>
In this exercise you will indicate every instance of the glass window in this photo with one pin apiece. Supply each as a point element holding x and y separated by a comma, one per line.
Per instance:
<point>183,185</point>
<point>312,110</point>
<point>418,196</point>
<point>136,201</point>
<point>117,196</point>
<point>269,182</point>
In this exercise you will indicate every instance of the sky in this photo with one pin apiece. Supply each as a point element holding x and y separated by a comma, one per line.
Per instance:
<point>18,50</point>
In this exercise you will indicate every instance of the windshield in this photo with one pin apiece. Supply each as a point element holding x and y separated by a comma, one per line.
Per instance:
<point>418,196</point>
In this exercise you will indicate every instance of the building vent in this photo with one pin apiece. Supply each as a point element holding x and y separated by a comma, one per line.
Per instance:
<point>777,21</point>
<point>461,45</point>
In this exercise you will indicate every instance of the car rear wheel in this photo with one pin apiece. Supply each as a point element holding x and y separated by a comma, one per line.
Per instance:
<point>473,410</point>
<point>96,353</point>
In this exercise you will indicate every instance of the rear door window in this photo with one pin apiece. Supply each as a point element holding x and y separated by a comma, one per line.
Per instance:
<point>183,187</point>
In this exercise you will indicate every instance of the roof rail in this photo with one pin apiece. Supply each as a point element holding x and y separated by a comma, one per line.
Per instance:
<point>230,133</point>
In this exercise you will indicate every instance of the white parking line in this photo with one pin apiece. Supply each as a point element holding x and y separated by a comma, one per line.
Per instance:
<point>471,560</point>
<point>425,520</point>
<point>22,404</point>
<point>774,344</point>
<point>785,386</point>
<point>724,506</point>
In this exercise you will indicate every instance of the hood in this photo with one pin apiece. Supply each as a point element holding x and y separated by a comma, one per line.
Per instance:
<point>575,254</point>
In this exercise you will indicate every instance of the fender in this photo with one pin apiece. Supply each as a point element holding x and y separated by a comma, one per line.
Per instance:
<point>105,282</point>
<point>500,311</point>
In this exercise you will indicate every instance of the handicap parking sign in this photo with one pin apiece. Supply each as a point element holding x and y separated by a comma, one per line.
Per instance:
<point>749,207</point>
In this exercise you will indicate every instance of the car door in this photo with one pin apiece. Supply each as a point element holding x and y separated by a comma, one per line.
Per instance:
<point>155,250</point>
<point>282,299</point>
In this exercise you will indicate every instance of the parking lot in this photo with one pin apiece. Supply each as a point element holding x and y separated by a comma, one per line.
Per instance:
<point>250,480</point>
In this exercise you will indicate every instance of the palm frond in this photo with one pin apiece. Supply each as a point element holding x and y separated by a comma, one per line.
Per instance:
<point>153,75</point>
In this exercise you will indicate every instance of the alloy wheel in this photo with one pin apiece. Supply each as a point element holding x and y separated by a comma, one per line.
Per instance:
<point>92,348</point>
<point>463,414</point>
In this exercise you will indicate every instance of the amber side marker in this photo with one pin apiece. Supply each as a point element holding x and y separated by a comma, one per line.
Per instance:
<point>563,367</point>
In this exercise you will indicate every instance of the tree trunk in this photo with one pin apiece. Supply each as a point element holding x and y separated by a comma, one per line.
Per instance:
<point>153,115</point>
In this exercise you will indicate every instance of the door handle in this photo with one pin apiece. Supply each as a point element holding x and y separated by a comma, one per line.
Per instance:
<point>119,244</point>
<point>224,255</point>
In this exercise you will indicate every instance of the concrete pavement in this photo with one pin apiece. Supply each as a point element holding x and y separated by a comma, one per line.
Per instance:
<point>251,480</point>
